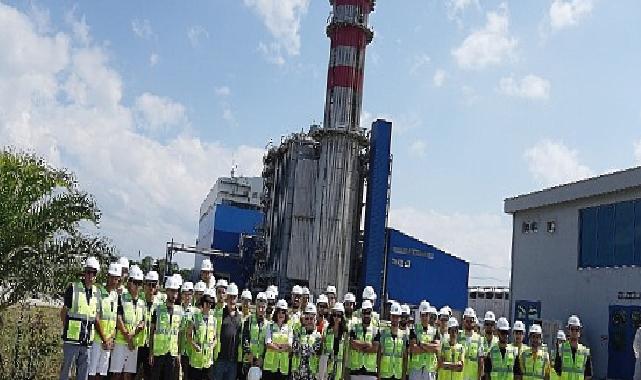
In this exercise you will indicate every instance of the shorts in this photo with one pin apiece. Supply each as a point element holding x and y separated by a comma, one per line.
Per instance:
<point>123,359</point>
<point>98,360</point>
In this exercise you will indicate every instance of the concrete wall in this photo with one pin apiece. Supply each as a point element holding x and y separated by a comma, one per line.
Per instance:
<point>545,269</point>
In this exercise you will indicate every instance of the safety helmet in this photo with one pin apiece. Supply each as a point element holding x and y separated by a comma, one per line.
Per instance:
<point>489,317</point>
<point>124,262</point>
<point>135,273</point>
<point>367,305</point>
<point>171,283</point>
<point>92,263</point>
<point>395,309</point>
<point>246,295</point>
<point>452,322</point>
<point>502,324</point>
<point>270,295</point>
<point>424,307</point>
<point>443,313</point>
<point>448,310</point>
<point>338,306</point>
<point>115,270</point>
<point>179,278</point>
<point>534,329</point>
<point>574,321</point>
<point>205,266</point>
<point>297,290</point>
<point>188,286</point>
<point>200,286</point>
<point>469,313</point>
<point>281,304</point>
<point>261,297</point>
<point>369,293</point>
<point>432,310</point>
<point>349,297</point>
<point>322,299</point>
<point>518,326</point>
<point>222,283</point>
<point>305,291</point>
<point>310,308</point>
<point>274,289</point>
<point>560,335</point>
<point>232,289</point>
<point>331,289</point>
<point>152,275</point>
<point>405,309</point>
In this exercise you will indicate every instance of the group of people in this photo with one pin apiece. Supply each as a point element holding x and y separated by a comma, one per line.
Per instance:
<point>128,328</point>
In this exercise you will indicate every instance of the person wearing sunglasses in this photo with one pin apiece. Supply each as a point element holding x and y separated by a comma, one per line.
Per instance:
<point>363,343</point>
<point>573,360</point>
<point>153,298</point>
<point>502,360</point>
<point>131,327</point>
<point>201,337</point>
<point>306,347</point>
<point>278,343</point>
<point>424,346</point>
<point>518,335</point>
<point>78,316</point>
<point>349,302</point>
<point>330,292</point>
<point>336,335</point>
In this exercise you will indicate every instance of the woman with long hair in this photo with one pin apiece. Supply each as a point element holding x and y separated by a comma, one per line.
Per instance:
<point>334,342</point>
<point>278,344</point>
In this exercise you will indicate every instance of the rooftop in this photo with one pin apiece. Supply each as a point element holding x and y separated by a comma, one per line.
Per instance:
<point>585,188</point>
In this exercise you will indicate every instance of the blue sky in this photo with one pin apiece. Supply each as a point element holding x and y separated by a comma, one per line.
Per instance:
<point>489,99</point>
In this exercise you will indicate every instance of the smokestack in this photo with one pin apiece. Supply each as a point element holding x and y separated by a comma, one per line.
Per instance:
<point>350,34</point>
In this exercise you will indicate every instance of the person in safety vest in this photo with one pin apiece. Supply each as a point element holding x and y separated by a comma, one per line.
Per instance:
<point>335,343</point>
<point>201,337</point>
<point>489,339</point>
<point>245,313</point>
<point>124,278</point>
<point>573,360</point>
<point>424,346</point>
<point>502,360</point>
<point>364,342</point>
<point>254,330</point>
<point>443,318</point>
<point>349,302</point>
<point>186,303</point>
<point>330,292</point>
<point>556,347</point>
<point>296,294</point>
<point>271,303</point>
<point>535,363</point>
<point>392,352</point>
<point>207,274</point>
<point>518,332</point>
<point>79,316</point>
<point>278,344</point>
<point>471,341</point>
<point>370,295</point>
<point>106,330</point>
<point>229,338</point>
<point>130,328</point>
<point>405,323</point>
<point>164,332</point>
<point>304,297</point>
<point>451,361</point>
<point>306,348</point>
<point>221,289</point>
<point>322,304</point>
<point>153,298</point>
<point>199,290</point>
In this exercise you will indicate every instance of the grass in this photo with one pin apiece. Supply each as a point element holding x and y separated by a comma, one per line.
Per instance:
<point>30,344</point>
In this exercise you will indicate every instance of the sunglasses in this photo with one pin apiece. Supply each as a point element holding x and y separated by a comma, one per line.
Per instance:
<point>575,329</point>
<point>152,284</point>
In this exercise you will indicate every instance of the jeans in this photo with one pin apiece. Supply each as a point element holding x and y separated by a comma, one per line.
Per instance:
<point>78,354</point>
<point>224,370</point>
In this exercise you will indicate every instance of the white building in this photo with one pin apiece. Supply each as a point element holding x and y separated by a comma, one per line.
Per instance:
<point>489,298</point>
<point>576,249</point>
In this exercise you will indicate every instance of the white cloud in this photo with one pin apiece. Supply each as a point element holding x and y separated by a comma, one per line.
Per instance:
<point>553,163</point>
<point>564,14</point>
<point>456,7</point>
<point>418,62</point>
<point>159,114</point>
<point>418,148</point>
<point>142,28</point>
<point>282,18</point>
<point>530,86</point>
<point>490,45</point>
<point>64,102</point>
<point>196,33</point>
<point>439,77</point>
<point>478,238</point>
<point>79,27</point>
<point>222,91</point>
<point>153,59</point>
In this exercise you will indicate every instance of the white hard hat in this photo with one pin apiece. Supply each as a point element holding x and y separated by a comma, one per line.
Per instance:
<point>338,306</point>
<point>310,308</point>
<point>270,295</point>
<point>115,270</point>
<point>297,290</point>
<point>432,310</point>
<point>369,293</point>
<point>135,273</point>
<point>222,283</point>
<point>274,289</point>
<point>232,289</point>
<point>518,326</point>
<point>172,283</point>
<point>443,313</point>
<point>281,304</point>
<point>574,321</point>
<point>534,329</point>
<point>424,307</point>
<point>502,324</point>
<point>152,275</point>
<point>179,278</point>
<point>469,313</point>
<point>124,262</point>
<point>322,299</point>
<point>448,310</point>
<point>187,286</point>
<point>246,295</point>
<point>261,296</point>
<point>305,291</point>
<point>330,289</point>
<point>405,309</point>
<point>349,297</point>
<point>211,293</point>
<point>489,317</point>
<point>367,305</point>
<point>452,322</point>
<point>92,263</point>
<point>560,335</point>
<point>200,287</point>
<point>395,309</point>
<point>205,266</point>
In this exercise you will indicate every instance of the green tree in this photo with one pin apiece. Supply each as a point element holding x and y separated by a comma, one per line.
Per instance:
<point>41,245</point>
